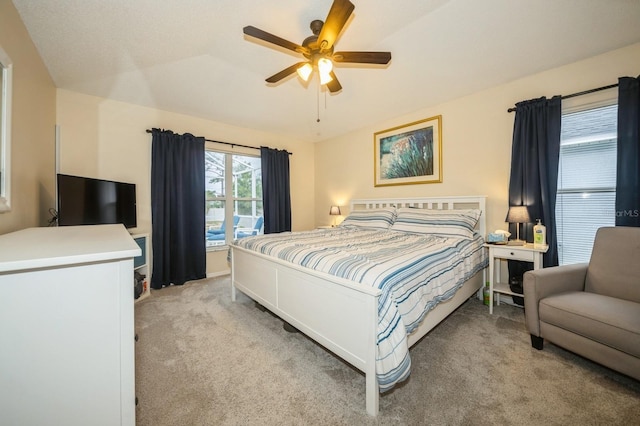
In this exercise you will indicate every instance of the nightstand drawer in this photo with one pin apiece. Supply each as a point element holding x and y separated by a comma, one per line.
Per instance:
<point>513,253</point>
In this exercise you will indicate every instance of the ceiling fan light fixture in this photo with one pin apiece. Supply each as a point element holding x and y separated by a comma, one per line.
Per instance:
<point>325,77</point>
<point>325,66</point>
<point>305,71</point>
<point>324,69</point>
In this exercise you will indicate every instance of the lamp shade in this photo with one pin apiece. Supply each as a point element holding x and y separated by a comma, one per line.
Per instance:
<point>325,78</point>
<point>305,71</point>
<point>334,211</point>
<point>518,214</point>
<point>324,66</point>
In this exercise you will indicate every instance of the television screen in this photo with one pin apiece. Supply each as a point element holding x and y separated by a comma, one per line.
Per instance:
<point>87,201</point>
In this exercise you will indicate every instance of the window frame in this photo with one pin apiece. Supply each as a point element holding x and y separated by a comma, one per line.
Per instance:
<point>583,103</point>
<point>229,198</point>
<point>6,107</point>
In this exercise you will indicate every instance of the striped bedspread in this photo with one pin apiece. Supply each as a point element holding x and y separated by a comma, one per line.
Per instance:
<point>414,272</point>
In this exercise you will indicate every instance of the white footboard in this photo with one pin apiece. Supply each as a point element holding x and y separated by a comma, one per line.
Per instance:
<point>334,312</point>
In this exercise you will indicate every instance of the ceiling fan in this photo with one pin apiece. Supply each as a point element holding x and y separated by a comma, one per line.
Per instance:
<point>318,48</point>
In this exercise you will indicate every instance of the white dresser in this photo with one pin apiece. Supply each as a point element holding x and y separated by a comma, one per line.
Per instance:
<point>67,327</point>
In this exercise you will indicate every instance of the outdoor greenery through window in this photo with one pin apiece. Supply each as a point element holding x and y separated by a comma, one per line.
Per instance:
<point>586,180</point>
<point>233,197</point>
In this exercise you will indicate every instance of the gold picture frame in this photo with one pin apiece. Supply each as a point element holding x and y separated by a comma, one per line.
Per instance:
<point>409,154</point>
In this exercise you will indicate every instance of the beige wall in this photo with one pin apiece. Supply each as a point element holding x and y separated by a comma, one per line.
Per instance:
<point>107,139</point>
<point>33,128</point>
<point>477,132</point>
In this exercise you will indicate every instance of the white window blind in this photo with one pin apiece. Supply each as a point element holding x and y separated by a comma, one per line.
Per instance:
<point>586,180</point>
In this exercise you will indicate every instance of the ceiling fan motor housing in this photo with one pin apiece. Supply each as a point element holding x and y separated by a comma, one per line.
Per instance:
<point>315,51</point>
<point>316,26</point>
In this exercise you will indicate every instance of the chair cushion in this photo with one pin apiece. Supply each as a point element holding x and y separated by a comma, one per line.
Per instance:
<point>614,269</point>
<point>607,320</point>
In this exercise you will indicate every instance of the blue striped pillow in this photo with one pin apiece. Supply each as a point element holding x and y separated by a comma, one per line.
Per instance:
<point>449,223</point>
<point>372,218</point>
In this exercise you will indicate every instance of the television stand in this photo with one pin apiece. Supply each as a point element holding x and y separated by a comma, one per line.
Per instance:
<point>141,264</point>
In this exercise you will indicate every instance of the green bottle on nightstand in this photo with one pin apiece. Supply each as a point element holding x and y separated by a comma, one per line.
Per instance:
<point>539,235</point>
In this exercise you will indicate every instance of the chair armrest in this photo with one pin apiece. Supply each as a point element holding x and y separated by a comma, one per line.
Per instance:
<point>240,231</point>
<point>545,282</point>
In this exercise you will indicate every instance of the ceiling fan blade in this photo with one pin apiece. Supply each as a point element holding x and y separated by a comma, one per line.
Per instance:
<point>337,17</point>
<point>362,57</point>
<point>270,38</point>
<point>334,85</point>
<point>284,73</point>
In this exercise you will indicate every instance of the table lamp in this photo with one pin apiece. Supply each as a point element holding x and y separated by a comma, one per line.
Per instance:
<point>334,211</point>
<point>517,215</point>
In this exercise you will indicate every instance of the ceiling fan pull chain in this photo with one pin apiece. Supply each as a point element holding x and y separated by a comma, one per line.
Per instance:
<point>318,103</point>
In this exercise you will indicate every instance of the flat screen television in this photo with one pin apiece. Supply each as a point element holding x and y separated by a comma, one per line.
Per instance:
<point>87,201</point>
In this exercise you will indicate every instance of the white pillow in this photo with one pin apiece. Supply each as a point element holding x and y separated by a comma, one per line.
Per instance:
<point>450,223</point>
<point>372,218</point>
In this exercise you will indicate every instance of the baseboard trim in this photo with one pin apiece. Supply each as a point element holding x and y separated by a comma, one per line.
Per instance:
<point>218,274</point>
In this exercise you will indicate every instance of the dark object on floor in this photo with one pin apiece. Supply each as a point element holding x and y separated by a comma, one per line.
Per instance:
<point>517,268</point>
<point>138,279</point>
<point>289,328</point>
<point>515,285</point>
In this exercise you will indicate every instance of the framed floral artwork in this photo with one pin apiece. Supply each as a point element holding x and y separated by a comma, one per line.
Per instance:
<point>409,154</point>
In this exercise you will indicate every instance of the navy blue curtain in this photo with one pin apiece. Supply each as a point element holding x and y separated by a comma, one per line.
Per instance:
<point>628,167</point>
<point>177,208</point>
<point>534,167</point>
<point>276,193</point>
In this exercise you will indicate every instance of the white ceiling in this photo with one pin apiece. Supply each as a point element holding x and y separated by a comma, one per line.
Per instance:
<point>191,57</point>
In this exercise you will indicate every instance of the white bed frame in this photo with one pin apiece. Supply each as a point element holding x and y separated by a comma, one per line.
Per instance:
<point>339,314</point>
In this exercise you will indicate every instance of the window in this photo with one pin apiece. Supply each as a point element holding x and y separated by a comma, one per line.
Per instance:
<point>586,179</point>
<point>6,82</point>
<point>233,195</point>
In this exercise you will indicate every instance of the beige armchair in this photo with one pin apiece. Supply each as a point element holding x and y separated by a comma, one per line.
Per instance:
<point>591,309</point>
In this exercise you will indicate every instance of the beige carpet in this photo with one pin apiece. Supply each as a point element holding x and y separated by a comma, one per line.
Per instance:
<point>204,360</point>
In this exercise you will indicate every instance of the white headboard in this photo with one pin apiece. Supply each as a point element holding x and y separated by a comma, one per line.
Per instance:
<point>436,203</point>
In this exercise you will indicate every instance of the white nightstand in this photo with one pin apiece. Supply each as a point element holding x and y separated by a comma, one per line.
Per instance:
<point>526,253</point>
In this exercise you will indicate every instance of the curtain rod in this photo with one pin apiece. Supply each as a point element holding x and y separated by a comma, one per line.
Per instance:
<point>228,143</point>
<point>573,95</point>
